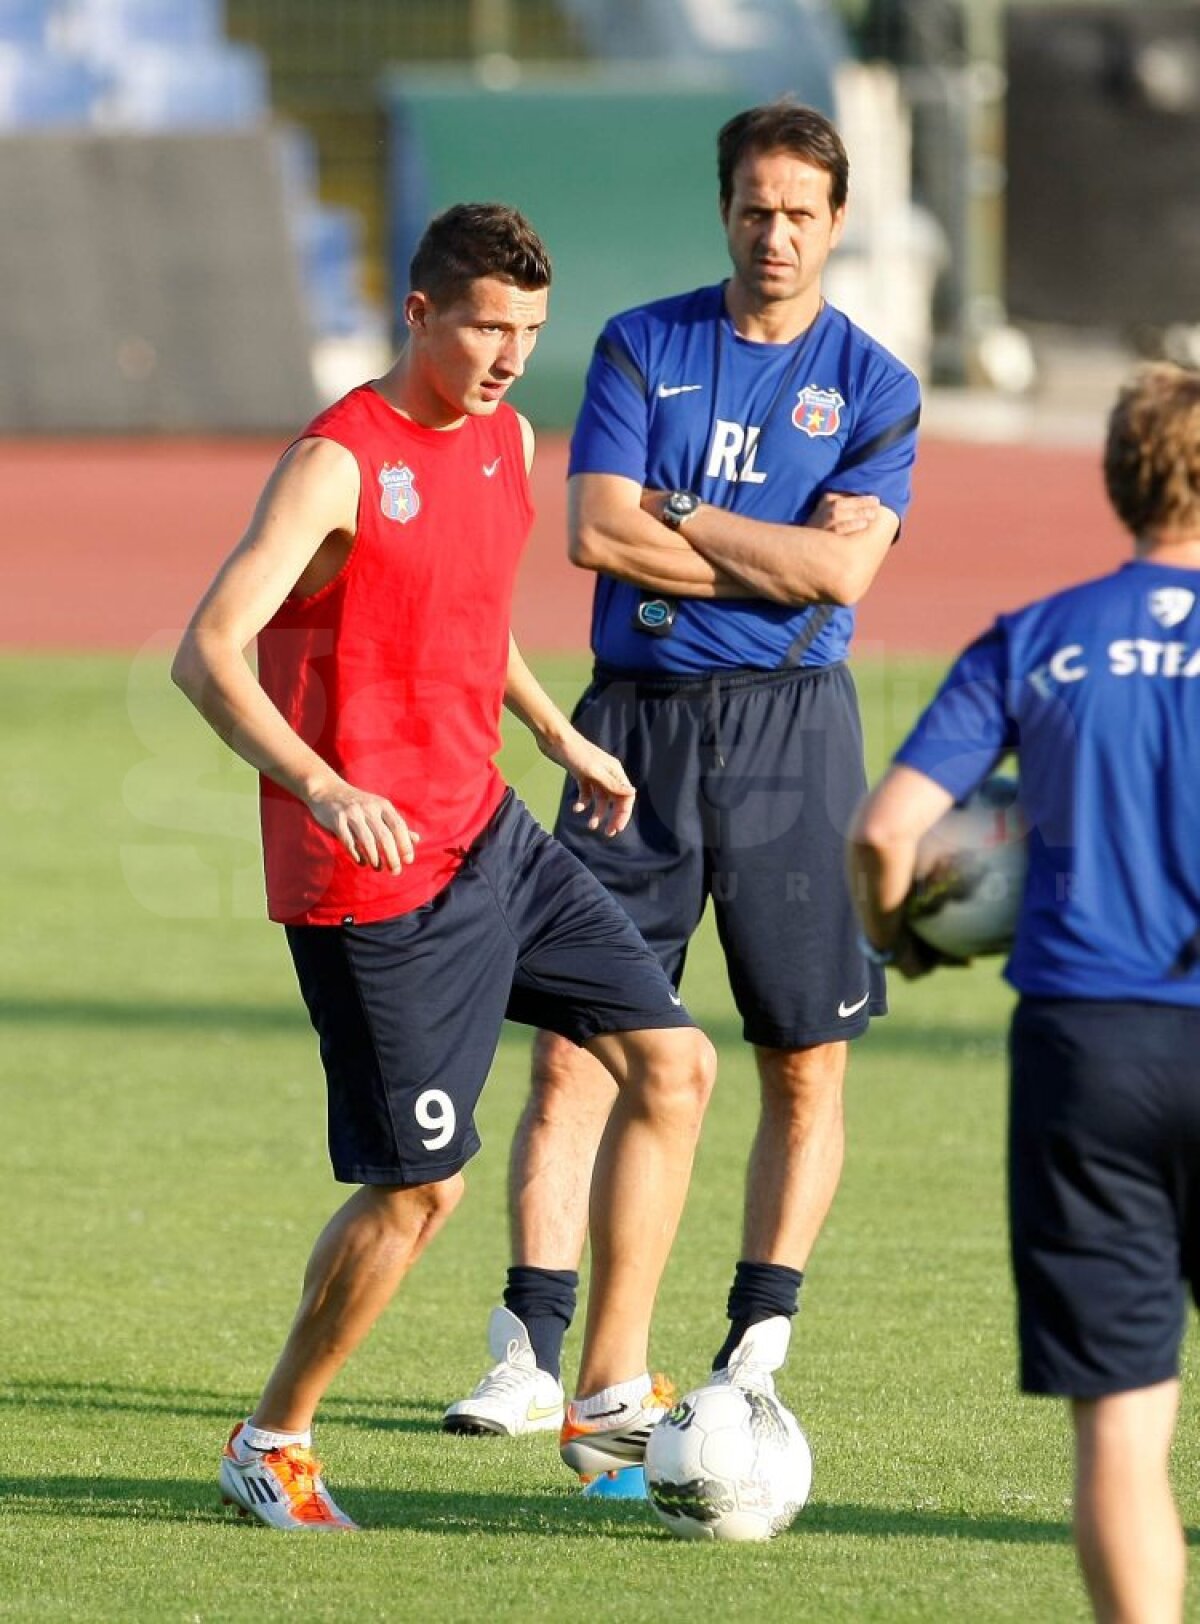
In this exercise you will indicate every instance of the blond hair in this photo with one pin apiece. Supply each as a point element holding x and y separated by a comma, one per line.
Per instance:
<point>1152,455</point>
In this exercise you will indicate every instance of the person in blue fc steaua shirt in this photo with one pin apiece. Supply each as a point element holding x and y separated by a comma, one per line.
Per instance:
<point>1097,689</point>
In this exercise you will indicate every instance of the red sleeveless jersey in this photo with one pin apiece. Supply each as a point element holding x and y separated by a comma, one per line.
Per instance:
<point>394,673</point>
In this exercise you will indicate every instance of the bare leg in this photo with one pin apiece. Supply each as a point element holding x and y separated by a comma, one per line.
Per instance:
<point>553,1150</point>
<point>642,1169</point>
<point>1127,1529</point>
<point>359,1259</point>
<point>796,1159</point>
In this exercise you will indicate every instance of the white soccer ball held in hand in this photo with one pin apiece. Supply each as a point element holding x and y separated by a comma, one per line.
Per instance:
<point>970,874</point>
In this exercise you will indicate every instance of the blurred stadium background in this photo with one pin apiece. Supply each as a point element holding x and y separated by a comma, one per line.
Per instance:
<point>207,209</point>
<point>210,204</point>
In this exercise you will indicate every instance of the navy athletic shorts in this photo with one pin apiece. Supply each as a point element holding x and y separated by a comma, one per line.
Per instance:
<point>1104,1191</point>
<point>746,785</point>
<point>408,1010</point>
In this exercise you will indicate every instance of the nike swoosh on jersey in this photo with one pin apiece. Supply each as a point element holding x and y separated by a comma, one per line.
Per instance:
<point>675,999</point>
<point>845,1010</point>
<point>665,390</point>
<point>489,468</point>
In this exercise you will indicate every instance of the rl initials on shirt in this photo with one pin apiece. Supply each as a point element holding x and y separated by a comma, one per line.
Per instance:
<point>730,441</point>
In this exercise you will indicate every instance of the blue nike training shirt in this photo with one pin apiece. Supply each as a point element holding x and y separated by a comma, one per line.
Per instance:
<point>676,400</point>
<point>1098,690</point>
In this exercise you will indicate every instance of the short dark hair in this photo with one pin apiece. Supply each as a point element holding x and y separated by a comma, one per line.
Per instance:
<point>472,240</point>
<point>1152,454</point>
<point>783,126</point>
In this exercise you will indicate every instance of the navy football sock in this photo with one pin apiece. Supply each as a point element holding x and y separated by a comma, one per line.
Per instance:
<point>544,1301</point>
<point>759,1292</point>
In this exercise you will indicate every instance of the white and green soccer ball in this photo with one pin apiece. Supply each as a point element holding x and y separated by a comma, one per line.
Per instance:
<point>728,1463</point>
<point>969,875</point>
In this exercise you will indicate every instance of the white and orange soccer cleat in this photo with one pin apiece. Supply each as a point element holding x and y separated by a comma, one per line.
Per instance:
<point>594,1445</point>
<point>281,1487</point>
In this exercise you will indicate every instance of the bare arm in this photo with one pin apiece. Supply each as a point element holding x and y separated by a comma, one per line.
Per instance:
<point>609,531</point>
<point>615,528</point>
<point>605,793</point>
<point>833,558</point>
<point>881,851</point>
<point>528,443</point>
<point>307,510</point>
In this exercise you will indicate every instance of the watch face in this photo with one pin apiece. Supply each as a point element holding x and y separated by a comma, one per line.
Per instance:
<point>681,504</point>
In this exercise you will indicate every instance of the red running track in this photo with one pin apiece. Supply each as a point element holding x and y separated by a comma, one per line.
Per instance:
<point>107,544</point>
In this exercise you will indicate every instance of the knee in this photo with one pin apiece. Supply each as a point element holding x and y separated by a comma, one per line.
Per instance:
<point>555,1062</point>
<point>805,1079</point>
<point>567,1082</point>
<point>1127,1432</point>
<point>431,1203</point>
<point>704,1068</point>
<point>442,1198</point>
<point>679,1079</point>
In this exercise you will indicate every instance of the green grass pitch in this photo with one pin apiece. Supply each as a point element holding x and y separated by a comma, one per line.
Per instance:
<point>164,1173</point>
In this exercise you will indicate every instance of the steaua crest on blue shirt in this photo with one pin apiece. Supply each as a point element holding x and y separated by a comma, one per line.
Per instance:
<point>399,500</point>
<point>818,411</point>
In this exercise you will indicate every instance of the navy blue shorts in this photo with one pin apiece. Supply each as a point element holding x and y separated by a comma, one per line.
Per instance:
<point>746,786</point>
<point>408,1010</point>
<point>1104,1191</point>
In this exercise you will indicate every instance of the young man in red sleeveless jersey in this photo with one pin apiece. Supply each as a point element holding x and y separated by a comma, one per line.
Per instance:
<point>421,901</point>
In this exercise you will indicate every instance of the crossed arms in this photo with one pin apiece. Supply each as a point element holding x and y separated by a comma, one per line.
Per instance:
<point>614,528</point>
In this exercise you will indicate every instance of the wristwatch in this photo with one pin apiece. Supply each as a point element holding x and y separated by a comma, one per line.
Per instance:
<point>678,508</point>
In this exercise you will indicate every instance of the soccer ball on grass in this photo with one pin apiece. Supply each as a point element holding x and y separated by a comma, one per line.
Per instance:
<point>728,1463</point>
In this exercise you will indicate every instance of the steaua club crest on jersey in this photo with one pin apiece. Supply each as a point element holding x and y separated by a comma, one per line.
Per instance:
<point>399,500</point>
<point>1171,604</point>
<point>818,412</point>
